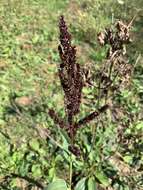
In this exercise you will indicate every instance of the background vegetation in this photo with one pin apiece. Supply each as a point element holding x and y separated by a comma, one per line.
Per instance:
<point>29,84</point>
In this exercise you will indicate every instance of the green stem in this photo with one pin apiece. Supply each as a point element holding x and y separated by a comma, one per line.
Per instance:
<point>71,170</point>
<point>98,105</point>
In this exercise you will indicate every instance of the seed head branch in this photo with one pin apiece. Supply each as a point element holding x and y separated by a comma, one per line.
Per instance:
<point>57,120</point>
<point>91,116</point>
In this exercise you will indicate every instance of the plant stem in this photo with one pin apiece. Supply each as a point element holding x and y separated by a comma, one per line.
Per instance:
<point>94,128</point>
<point>70,174</point>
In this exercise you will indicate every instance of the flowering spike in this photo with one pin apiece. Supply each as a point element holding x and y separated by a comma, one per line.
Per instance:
<point>69,72</point>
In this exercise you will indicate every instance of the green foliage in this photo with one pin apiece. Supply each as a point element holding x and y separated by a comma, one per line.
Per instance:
<point>58,184</point>
<point>81,185</point>
<point>29,85</point>
<point>91,184</point>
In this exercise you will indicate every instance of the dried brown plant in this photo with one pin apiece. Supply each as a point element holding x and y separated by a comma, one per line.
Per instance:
<point>116,65</point>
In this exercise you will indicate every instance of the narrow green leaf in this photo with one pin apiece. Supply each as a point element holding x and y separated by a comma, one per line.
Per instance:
<point>102,178</point>
<point>52,173</point>
<point>92,184</point>
<point>64,135</point>
<point>81,184</point>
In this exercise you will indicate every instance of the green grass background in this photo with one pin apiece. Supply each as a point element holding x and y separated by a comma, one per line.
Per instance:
<point>29,58</point>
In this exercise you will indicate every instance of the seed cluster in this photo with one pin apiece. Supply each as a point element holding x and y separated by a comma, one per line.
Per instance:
<point>69,72</point>
<point>116,40</point>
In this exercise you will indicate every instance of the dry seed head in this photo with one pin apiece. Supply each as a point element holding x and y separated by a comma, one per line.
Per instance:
<point>69,71</point>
